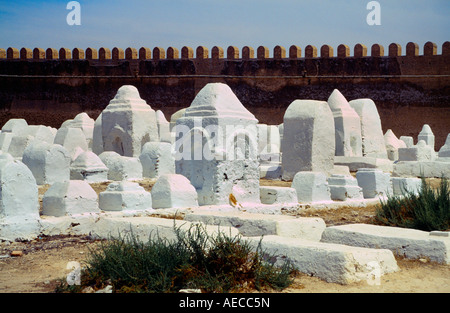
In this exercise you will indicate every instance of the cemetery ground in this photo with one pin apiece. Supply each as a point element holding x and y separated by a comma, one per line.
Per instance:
<point>41,263</point>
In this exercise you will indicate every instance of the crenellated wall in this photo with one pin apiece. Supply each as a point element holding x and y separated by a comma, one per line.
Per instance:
<point>231,53</point>
<point>56,84</point>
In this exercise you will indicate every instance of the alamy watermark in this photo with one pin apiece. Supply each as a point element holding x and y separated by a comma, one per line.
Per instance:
<point>374,16</point>
<point>74,16</point>
<point>74,277</point>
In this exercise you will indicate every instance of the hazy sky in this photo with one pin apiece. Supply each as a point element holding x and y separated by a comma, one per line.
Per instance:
<point>178,23</point>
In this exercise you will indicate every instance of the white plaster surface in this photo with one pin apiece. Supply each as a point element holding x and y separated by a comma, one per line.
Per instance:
<point>157,159</point>
<point>392,145</point>
<point>311,186</point>
<point>121,167</point>
<point>375,183</point>
<point>334,263</point>
<point>277,195</point>
<point>125,196</point>
<point>218,137</point>
<point>343,187</point>
<point>307,144</point>
<point>426,134</point>
<point>48,162</point>
<point>410,243</point>
<point>128,122</point>
<point>444,151</point>
<point>402,185</point>
<point>19,205</point>
<point>371,131</point>
<point>173,191</point>
<point>69,198</point>
<point>73,139</point>
<point>89,167</point>
<point>347,124</point>
<point>419,152</point>
<point>163,127</point>
<point>254,224</point>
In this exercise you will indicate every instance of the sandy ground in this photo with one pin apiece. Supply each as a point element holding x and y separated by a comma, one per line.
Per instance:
<point>44,261</point>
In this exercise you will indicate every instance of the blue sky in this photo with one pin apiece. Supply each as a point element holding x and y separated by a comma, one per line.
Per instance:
<point>178,23</point>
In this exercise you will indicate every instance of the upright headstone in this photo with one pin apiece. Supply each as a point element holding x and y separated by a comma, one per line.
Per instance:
<point>311,186</point>
<point>157,159</point>
<point>18,145</point>
<point>308,139</point>
<point>49,163</point>
<point>15,127</point>
<point>125,196</point>
<point>73,139</point>
<point>371,131</point>
<point>444,152</point>
<point>173,191</point>
<point>392,145</point>
<point>86,124</point>
<point>403,185</point>
<point>42,133</point>
<point>163,127</point>
<point>121,167</point>
<point>19,204</point>
<point>347,125</point>
<point>70,198</point>
<point>97,138</point>
<point>408,140</point>
<point>89,167</point>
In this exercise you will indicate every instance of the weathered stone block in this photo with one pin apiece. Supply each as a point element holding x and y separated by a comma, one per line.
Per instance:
<point>402,185</point>
<point>334,263</point>
<point>409,243</point>
<point>173,191</point>
<point>121,167</point>
<point>125,196</point>
<point>278,195</point>
<point>89,167</point>
<point>344,187</point>
<point>311,187</point>
<point>374,182</point>
<point>70,198</point>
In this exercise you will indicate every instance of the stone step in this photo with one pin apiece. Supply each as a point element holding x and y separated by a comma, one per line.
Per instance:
<point>252,224</point>
<point>330,262</point>
<point>410,243</point>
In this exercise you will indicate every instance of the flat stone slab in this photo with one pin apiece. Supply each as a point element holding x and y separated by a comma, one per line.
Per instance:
<point>277,195</point>
<point>410,243</point>
<point>115,224</point>
<point>355,163</point>
<point>333,263</point>
<point>251,224</point>
<point>436,169</point>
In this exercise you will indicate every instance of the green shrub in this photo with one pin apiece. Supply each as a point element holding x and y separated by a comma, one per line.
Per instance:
<point>427,210</point>
<point>195,259</point>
